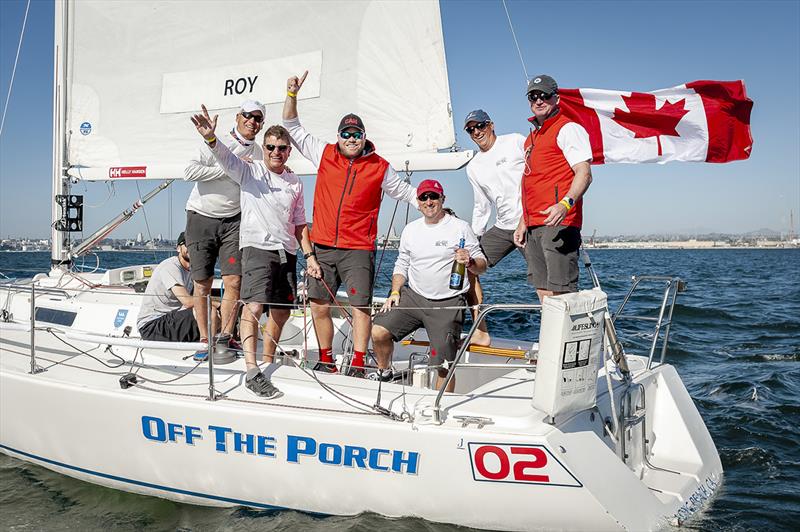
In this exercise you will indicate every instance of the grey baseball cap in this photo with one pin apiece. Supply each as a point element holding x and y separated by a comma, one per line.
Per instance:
<point>543,83</point>
<point>478,115</point>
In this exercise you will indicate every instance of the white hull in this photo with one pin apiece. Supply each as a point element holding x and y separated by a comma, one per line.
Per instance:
<point>310,451</point>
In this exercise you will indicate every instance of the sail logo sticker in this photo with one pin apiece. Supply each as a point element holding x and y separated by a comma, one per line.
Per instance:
<point>127,172</point>
<point>518,464</point>
<point>120,318</point>
<point>86,128</point>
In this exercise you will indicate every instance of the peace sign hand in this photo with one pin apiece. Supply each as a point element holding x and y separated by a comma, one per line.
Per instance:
<point>294,83</point>
<point>205,124</point>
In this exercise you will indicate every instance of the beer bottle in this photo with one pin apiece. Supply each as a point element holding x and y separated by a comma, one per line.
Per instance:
<point>457,271</point>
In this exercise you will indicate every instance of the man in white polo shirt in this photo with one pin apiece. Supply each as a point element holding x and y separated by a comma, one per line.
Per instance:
<point>495,174</point>
<point>428,247</point>
<point>273,222</point>
<point>213,214</point>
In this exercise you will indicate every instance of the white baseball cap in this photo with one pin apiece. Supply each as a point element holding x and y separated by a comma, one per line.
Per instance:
<point>250,106</point>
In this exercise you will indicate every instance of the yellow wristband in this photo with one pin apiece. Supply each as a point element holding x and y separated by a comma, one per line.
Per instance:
<point>565,203</point>
<point>394,293</point>
<point>292,94</point>
<point>212,140</point>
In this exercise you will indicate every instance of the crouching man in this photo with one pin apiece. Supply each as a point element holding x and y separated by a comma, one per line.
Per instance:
<point>167,313</point>
<point>428,247</point>
<point>273,222</point>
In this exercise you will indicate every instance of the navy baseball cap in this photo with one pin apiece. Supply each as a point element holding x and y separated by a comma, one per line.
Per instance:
<point>351,120</point>
<point>478,115</point>
<point>181,239</point>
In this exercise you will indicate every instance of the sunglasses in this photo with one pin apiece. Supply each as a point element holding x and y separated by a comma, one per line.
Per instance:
<point>480,125</point>
<point>538,95</point>
<point>281,148</point>
<point>247,116</point>
<point>358,135</point>
<point>425,196</point>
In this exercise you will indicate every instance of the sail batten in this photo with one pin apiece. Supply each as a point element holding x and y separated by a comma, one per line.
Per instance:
<point>380,59</point>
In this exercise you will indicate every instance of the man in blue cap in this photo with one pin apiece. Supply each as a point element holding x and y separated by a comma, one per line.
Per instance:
<point>495,174</point>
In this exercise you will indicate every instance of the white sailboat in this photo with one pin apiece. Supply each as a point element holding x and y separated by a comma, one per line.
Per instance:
<point>570,433</point>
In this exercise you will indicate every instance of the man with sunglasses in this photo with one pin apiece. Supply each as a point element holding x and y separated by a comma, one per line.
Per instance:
<point>351,179</point>
<point>556,176</point>
<point>213,215</point>
<point>428,247</point>
<point>494,173</point>
<point>273,222</point>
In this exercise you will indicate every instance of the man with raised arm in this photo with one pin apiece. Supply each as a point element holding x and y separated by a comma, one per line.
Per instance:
<point>213,215</point>
<point>495,174</point>
<point>428,247</point>
<point>556,176</point>
<point>273,222</point>
<point>351,179</point>
<point>168,312</point>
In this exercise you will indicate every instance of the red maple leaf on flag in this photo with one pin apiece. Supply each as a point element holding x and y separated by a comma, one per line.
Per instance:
<point>645,120</point>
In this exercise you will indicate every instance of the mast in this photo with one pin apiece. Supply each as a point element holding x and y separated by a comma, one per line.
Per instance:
<point>59,257</point>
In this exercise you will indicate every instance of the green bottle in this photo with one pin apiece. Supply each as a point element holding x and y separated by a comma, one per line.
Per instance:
<point>457,271</point>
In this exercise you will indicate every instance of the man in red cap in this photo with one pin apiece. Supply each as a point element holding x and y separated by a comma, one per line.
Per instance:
<point>428,247</point>
<point>351,178</point>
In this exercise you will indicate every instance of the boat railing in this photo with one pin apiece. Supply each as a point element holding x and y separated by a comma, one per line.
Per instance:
<point>482,313</point>
<point>662,322</point>
<point>35,291</point>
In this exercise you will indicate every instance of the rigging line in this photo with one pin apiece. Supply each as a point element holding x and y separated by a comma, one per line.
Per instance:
<point>516,43</point>
<point>146,222</point>
<point>385,243</point>
<point>14,70</point>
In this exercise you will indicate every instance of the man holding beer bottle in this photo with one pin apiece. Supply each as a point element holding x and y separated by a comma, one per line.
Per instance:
<point>429,246</point>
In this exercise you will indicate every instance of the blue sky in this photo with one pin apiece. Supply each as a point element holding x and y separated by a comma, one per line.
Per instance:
<point>613,45</point>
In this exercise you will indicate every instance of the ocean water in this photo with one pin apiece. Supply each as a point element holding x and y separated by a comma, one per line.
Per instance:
<point>735,342</point>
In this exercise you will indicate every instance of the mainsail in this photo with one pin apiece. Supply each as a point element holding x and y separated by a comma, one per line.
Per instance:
<point>137,69</point>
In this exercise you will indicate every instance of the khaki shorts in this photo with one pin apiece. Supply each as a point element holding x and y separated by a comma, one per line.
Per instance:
<point>212,238</point>
<point>354,267</point>
<point>269,277</point>
<point>442,325</point>
<point>552,256</point>
<point>497,244</point>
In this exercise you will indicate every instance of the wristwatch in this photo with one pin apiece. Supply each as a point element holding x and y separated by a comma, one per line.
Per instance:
<point>309,254</point>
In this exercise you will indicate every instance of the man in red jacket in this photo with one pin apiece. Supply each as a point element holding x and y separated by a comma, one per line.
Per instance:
<point>351,179</point>
<point>557,174</point>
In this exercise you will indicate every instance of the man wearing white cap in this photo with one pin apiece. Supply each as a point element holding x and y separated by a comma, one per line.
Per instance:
<point>213,214</point>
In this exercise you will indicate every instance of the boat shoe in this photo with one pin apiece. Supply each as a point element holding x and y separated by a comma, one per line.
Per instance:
<point>261,386</point>
<point>326,367</point>
<point>357,372</point>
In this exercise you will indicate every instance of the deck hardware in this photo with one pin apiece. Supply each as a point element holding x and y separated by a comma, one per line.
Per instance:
<point>562,449</point>
<point>127,380</point>
<point>474,420</point>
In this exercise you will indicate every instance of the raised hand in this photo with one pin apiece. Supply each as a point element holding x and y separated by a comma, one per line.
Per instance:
<point>205,124</point>
<point>294,83</point>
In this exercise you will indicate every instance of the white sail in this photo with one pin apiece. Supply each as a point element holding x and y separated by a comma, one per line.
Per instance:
<point>130,118</point>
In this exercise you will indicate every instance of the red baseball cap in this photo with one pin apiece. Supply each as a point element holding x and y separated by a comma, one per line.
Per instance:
<point>430,185</point>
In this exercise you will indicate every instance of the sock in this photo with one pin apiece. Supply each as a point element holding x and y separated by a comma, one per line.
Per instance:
<point>252,372</point>
<point>358,359</point>
<point>325,355</point>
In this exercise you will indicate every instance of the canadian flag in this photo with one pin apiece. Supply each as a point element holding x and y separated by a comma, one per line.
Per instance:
<point>702,121</point>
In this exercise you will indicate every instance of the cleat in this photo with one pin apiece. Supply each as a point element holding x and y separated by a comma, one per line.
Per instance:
<point>261,386</point>
<point>326,367</point>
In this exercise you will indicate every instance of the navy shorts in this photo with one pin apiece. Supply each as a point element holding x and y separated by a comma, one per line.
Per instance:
<point>209,239</point>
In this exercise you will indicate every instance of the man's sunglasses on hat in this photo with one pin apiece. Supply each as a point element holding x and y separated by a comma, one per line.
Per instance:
<point>358,135</point>
<point>425,196</point>
<point>480,125</point>
<point>248,115</point>
<point>539,95</point>
<point>281,148</point>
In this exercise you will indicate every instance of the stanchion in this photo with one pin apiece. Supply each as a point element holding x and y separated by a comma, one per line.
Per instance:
<point>212,394</point>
